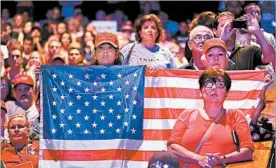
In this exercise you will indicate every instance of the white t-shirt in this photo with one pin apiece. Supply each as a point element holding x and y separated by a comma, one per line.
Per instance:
<point>13,109</point>
<point>160,59</point>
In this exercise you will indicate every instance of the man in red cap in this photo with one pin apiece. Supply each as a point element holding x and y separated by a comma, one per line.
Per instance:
<point>24,104</point>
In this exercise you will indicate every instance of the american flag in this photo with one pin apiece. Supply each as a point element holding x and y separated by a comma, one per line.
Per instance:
<point>81,130</point>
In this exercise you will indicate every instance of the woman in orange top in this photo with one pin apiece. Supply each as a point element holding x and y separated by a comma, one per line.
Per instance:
<point>20,151</point>
<point>219,147</point>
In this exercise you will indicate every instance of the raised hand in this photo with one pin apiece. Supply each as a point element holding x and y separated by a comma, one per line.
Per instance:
<point>227,31</point>
<point>253,26</point>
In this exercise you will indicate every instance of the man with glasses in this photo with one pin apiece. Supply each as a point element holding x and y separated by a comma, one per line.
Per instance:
<point>197,37</point>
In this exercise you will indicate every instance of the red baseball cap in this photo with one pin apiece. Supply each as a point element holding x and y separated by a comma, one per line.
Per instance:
<point>22,79</point>
<point>214,42</point>
<point>106,37</point>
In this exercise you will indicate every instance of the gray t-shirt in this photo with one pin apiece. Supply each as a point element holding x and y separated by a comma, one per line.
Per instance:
<point>162,58</point>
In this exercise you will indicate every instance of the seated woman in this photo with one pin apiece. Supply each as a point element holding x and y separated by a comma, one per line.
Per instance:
<point>20,150</point>
<point>219,147</point>
<point>147,51</point>
<point>106,50</point>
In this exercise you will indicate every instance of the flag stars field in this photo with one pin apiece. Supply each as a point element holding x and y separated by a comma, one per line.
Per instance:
<point>91,105</point>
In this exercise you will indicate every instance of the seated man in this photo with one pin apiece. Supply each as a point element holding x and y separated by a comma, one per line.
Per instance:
<point>21,150</point>
<point>197,37</point>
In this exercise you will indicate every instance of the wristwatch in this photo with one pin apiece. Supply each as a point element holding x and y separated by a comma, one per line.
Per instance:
<point>223,164</point>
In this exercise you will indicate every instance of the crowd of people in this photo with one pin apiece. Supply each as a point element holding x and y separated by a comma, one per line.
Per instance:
<point>209,42</point>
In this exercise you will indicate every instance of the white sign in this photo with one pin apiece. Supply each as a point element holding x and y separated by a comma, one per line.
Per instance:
<point>101,26</point>
<point>5,51</point>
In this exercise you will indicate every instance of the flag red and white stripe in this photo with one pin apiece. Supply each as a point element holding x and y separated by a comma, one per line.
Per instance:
<point>167,94</point>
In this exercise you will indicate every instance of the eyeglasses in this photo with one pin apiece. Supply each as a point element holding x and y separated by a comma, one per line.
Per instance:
<point>199,38</point>
<point>209,84</point>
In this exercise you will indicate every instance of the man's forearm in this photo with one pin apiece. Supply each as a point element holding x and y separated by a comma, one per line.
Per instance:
<point>267,48</point>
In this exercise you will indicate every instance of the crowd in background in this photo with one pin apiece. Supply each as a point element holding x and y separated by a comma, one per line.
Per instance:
<point>67,37</point>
